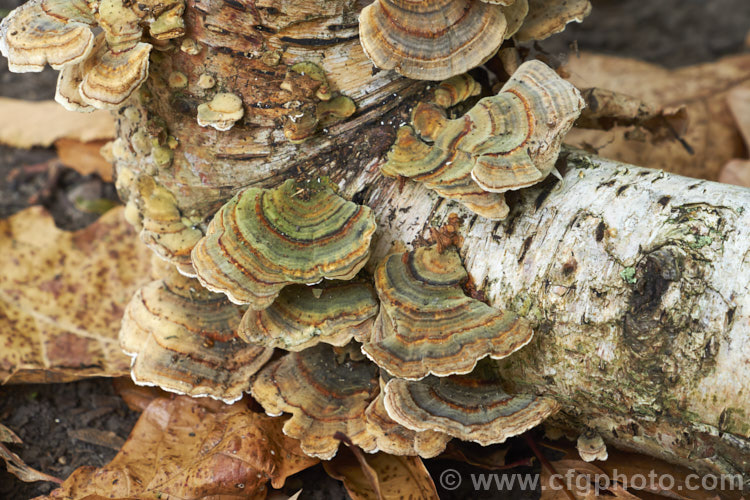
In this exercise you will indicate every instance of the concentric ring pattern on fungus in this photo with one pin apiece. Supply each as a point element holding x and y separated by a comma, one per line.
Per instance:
<point>262,240</point>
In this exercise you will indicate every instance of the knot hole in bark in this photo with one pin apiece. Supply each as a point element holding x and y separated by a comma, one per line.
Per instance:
<point>646,322</point>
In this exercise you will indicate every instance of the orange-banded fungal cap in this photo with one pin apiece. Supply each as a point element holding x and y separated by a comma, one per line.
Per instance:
<point>466,407</point>
<point>427,325</point>
<point>326,392</point>
<point>264,239</point>
<point>448,173</point>
<point>302,316</point>
<point>515,136</point>
<point>431,39</point>
<point>110,78</point>
<point>183,338</point>
<point>395,439</point>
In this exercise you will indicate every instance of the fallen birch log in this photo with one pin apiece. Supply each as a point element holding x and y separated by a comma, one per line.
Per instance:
<point>640,283</point>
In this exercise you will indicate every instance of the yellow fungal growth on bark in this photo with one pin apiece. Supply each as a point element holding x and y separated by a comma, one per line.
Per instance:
<point>221,112</point>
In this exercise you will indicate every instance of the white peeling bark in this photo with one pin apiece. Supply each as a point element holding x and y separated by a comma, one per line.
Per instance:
<point>639,281</point>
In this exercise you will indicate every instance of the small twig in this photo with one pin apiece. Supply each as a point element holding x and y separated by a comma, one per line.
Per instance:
<point>546,463</point>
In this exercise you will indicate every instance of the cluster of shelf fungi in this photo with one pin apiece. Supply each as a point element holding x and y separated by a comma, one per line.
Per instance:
<point>389,355</point>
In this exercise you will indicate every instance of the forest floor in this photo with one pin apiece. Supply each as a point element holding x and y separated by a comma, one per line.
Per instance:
<point>668,32</point>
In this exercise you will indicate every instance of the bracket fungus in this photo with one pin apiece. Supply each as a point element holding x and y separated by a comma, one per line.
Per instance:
<point>163,227</point>
<point>395,439</point>
<point>105,79</point>
<point>312,104</point>
<point>505,142</point>
<point>302,316</point>
<point>221,112</point>
<point>99,73</point>
<point>264,239</point>
<point>469,407</point>
<point>54,32</point>
<point>433,39</point>
<point>325,391</point>
<point>183,339</point>
<point>427,325</point>
<point>547,17</point>
<point>591,446</point>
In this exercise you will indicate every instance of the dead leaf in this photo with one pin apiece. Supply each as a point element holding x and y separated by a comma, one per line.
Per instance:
<point>189,449</point>
<point>41,123</point>
<point>84,157</point>
<point>8,436</point>
<point>606,109</point>
<point>584,480</point>
<point>489,457</point>
<point>62,295</point>
<point>738,100</point>
<point>652,476</point>
<point>137,397</point>
<point>628,465</point>
<point>712,133</point>
<point>381,476</point>
<point>736,172</point>
<point>13,462</point>
<point>108,439</point>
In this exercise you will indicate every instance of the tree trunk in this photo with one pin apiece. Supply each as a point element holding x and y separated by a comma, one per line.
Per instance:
<point>638,279</point>
<point>640,283</point>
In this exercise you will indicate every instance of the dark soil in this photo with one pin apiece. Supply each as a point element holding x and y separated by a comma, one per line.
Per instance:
<point>43,416</point>
<point>668,32</point>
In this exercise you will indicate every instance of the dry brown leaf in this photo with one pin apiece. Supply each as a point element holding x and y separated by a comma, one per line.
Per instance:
<point>41,123</point>
<point>579,478</point>
<point>738,100</point>
<point>8,436</point>
<point>653,475</point>
<point>631,464</point>
<point>188,449</point>
<point>137,397</point>
<point>712,133</point>
<point>84,157</point>
<point>381,476</point>
<point>62,295</point>
<point>13,462</point>
<point>736,172</point>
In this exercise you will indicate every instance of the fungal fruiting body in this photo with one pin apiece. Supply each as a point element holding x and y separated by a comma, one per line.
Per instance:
<point>437,39</point>
<point>99,72</point>
<point>427,325</point>
<point>302,316</point>
<point>395,439</point>
<point>505,142</point>
<point>183,338</point>
<point>326,392</point>
<point>264,239</point>
<point>431,40</point>
<point>469,407</point>
<point>221,112</point>
<point>591,446</point>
